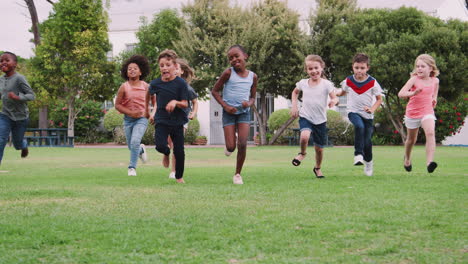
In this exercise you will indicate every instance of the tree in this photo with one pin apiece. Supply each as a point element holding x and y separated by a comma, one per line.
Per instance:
<point>268,30</point>
<point>393,39</point>
<point>71,61</point>
<point>157,36</point>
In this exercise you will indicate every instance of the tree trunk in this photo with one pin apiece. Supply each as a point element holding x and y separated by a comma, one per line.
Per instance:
<point>397,124</point>
<point>281,130</point>
<point>43,111</point>
<point>71,117</point>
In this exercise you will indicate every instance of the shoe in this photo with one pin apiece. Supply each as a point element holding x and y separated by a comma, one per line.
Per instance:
<point>24,152</point>
<point>172,175</point>
<point>369,168</point>
<point>358,160</point>
<point>407,168</point>
<point>226,152</point>
<point>237,179</point>
<point>132,172</point>
<point>143,156</point>
<point>318,176</point>
<point>431,167</point>
<point>296,161</point>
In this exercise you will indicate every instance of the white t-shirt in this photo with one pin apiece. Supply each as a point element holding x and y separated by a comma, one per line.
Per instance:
<point>361,94</point>
<point>314,100</point>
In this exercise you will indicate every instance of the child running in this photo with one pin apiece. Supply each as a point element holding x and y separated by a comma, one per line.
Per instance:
<point>364,97</point>
<point>186,73</point>
<point>313,113</point>
<point>171,94</point>
<point>239,87</point>
<point>421,89</point>
<point>132,101</point>
<point>15,92</point>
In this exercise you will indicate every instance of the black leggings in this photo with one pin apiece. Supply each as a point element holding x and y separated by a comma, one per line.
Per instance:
<point>177,135</point>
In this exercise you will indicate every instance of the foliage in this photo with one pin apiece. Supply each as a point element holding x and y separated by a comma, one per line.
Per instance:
<point>278,118</point>
<point>113,119</point>
<point>340,132</point>
<point>158,35</point>
<point>87,120</point>
<point>393,39</point>
<point>385,133</point>
<point>71,60</point>
<point>450,117</point>
<point>148,137</point>
<point>192,131</point>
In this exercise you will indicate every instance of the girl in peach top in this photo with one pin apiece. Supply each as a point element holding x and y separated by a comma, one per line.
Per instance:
<point>132,100</point>
<point>421,89</point>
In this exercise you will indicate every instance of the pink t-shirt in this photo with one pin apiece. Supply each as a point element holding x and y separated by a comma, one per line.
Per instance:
<point>420,105</point>
<point>135,96</point>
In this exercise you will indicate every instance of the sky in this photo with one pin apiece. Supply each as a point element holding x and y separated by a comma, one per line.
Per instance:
<point>16,37</point>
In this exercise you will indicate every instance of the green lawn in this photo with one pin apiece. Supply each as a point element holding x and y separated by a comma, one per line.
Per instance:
<point>63,205</point>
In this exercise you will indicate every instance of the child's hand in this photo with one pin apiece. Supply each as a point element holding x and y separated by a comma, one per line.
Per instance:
<point>368,110</point>
<point>294,112</point>
<point>136,114</point>
<point>415,92</point>
<point>13,96</point>
<point>245,104</point>
<point>151,120</point>
<point>171,106</point>
<point>434,103</point>
<point>230,109</point>
<point>191,115</point>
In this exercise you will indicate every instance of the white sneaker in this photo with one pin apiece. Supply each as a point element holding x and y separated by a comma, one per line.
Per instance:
<point>143,156</point>
<point>172,175</point>
<point>226,152</point>
<point>132,172</point>
<point>358,160</point>
<point>369,168</point>
<point>237,179</point>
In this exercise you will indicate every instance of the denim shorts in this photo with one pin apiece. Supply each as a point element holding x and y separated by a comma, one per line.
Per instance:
<point>230,119</point>
<point>319,132</point>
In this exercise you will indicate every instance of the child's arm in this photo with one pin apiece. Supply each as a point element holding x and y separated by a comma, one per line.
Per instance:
<point>406,92</point>
<point>174,103</point>
<point>147,102</point>
<point>376,105</point>
<point>25,92</point>
<point>333,99</point>
<point>436,92</point>
<point>340,92</point>
<point>295,95</point>
<point>153,112</point>
<point>218,87</point>
<point>121,108</point>
<point>253,93</point>
<point>194,111</point>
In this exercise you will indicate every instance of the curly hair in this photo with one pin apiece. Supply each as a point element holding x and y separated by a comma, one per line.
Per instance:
<point>139,60</point>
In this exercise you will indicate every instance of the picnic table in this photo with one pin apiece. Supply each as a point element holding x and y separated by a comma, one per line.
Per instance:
<point>48,137</point>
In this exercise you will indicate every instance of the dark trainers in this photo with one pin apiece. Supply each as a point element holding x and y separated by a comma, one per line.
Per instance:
<point>24,152</point>
<point>431,167</point>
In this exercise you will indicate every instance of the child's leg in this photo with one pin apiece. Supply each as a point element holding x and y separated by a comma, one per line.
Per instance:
<point>171,146</point>
<point>160,140</point>
<point>319,136</point>
<point>359,133</point>
<point>318,159</point>
<point>411,136</point>
<point>368,131</point>
<point>134,135</point>
<point>428,126</point>
<point>304,140</point>
<point>243,133</point>
<point>230,137</point>
<point>5,128</point>
<point>18,128</point>
<point>177,136</point>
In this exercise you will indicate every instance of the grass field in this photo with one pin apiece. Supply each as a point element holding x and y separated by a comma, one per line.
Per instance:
<point>64,205</point>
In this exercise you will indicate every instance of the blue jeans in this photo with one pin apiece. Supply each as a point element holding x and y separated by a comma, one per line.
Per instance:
<point>17,129</point>
<point>135,128</point>
<point>363,130</point>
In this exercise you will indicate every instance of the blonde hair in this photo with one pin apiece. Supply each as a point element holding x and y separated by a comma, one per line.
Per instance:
<point>315,58</point>
<point>189,73</point>
<point>429,60</point>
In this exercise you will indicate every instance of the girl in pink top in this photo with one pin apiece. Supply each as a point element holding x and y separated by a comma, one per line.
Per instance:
<point>421,89</point>
<point>132,101</point>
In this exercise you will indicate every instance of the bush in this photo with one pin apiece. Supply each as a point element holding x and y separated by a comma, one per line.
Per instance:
<point>450,117</point>
<point>192,131</point>
<point>148,137</point>
<point>276,120</point>
<point>86,122</point>
<point>340,131</point>
<point>113,119</point>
